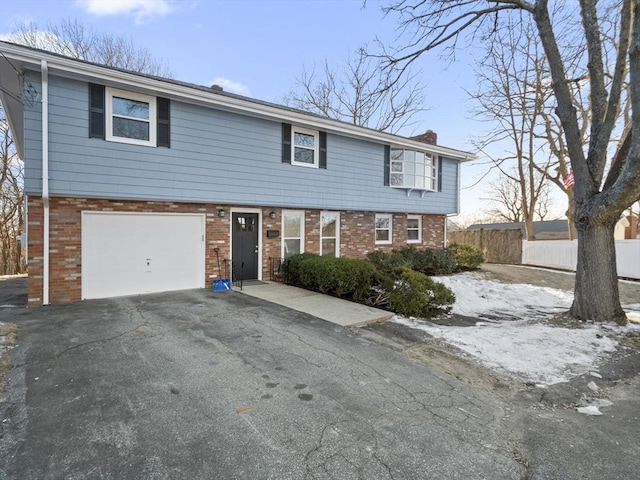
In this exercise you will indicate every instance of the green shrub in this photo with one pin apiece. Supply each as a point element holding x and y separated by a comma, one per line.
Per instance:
<point>467,257</point>
<point>291,268</point>
<point>429,261</point>
<point>416,295</point>
<point>386,262</point>
<point>336,276</point>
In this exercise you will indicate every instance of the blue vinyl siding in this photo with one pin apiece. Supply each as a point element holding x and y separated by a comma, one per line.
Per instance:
<point>215,157</point>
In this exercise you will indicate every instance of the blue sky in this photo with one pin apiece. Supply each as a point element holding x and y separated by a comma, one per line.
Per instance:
<point>259,47</point>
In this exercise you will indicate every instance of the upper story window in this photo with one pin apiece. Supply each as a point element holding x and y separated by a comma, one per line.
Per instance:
<point>304,144</point>
<point>131,117</point>
<point>413,169</point>
<point>384,228</point>
<point>127,117</point>
<point>304,147</point>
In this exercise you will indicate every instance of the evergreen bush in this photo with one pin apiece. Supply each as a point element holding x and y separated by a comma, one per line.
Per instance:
<point>467,257</point>
<point>429,261</point>
<point>343,277</point>
<point>414,294</point>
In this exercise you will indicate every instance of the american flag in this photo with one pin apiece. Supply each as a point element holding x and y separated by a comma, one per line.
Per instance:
<point>569,180</point>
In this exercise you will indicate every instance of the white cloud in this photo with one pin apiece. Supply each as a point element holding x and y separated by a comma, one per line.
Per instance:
<point>231,86</point>
<point>141,10</point>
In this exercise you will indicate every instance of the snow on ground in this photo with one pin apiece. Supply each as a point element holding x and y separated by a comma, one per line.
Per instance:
<point>477,297</point>
<point>511,335</point>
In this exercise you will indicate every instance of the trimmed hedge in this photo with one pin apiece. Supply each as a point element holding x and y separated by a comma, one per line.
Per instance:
<point>414,294</point>
<point>467,257</point>
<point>291,267</point>
<point>386,262</point>
<point>343,277</point>
<point>430,261</point>
<point>398,289</point>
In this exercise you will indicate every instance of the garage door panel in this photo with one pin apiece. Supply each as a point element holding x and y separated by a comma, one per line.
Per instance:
<point>126,254</point>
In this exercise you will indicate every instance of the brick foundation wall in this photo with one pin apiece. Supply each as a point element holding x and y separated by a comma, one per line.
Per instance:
<point>357,238</point>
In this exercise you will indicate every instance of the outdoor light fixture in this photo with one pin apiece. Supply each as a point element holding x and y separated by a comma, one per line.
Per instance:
<point>272,215</point>
<point>221,213</point>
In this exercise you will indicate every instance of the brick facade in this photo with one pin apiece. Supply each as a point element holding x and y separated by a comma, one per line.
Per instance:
<point>357,237</point>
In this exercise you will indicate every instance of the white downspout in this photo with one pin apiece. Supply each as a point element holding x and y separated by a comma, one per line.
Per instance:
<point>45,181</point>
<point>446,240</point>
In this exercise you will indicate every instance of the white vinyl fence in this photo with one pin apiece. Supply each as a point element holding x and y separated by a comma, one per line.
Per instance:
<point>564,254</point>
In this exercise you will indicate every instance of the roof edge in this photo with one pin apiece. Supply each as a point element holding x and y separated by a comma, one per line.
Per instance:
<point>201,95</point>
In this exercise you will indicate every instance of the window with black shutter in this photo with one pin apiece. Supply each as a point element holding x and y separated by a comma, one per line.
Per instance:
<point>127,117</point>
<point>304,147</point>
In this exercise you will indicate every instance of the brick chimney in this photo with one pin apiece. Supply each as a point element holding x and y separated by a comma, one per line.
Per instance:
<point>427,137</point>
<point>216,88</point>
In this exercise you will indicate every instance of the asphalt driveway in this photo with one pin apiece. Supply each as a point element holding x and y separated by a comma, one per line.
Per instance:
<point>205,385</point>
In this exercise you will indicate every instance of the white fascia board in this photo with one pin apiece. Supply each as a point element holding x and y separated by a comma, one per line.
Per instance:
<point>91,72</point>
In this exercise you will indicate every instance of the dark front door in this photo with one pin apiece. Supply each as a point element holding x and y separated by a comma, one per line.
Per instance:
<point>244,246</point>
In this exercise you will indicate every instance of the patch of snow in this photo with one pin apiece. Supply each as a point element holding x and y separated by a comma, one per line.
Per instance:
<point>477,297</point>
<point>599,402</point>
<point>536,352</point>
<point>633,317</point>
<point>515,340</point>
<point>590,410</point>
<point>593,387</point>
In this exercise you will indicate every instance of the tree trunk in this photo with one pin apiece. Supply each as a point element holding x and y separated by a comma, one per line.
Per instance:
<point>571,210</point>
<point>528,223</point>
<point>596,290</point>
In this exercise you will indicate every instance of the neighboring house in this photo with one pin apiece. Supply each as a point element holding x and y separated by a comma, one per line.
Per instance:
<point>542,230</point>
<point>134,183</point>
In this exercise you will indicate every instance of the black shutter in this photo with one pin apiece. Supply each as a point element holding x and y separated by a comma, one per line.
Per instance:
<point>96,111</point>
<point>323,150</point>
<point>163,123</point>
<point>387,164</point>
<point>439,174</point>
<point>286,143</point>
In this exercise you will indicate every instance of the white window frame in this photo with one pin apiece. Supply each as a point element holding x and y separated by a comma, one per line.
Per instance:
<point>113,92</point>
<point>299,213</point>
<point>316,149</point>
<point>335,215</point>
<point>375,229</point>
<point>430,170</point>
<point>419,218</point>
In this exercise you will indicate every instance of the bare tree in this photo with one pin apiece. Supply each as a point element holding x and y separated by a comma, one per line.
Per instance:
<point>356,94</point>
<point>511,96</point>
<point>72,39</point>
<point>505,195</point>
<point>599,199</point>
<point>11,202</point>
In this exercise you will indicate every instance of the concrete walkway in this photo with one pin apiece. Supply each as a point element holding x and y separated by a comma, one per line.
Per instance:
<point>331,309</point>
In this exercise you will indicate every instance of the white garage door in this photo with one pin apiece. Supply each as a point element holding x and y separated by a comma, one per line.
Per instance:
<point>132,253</point>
